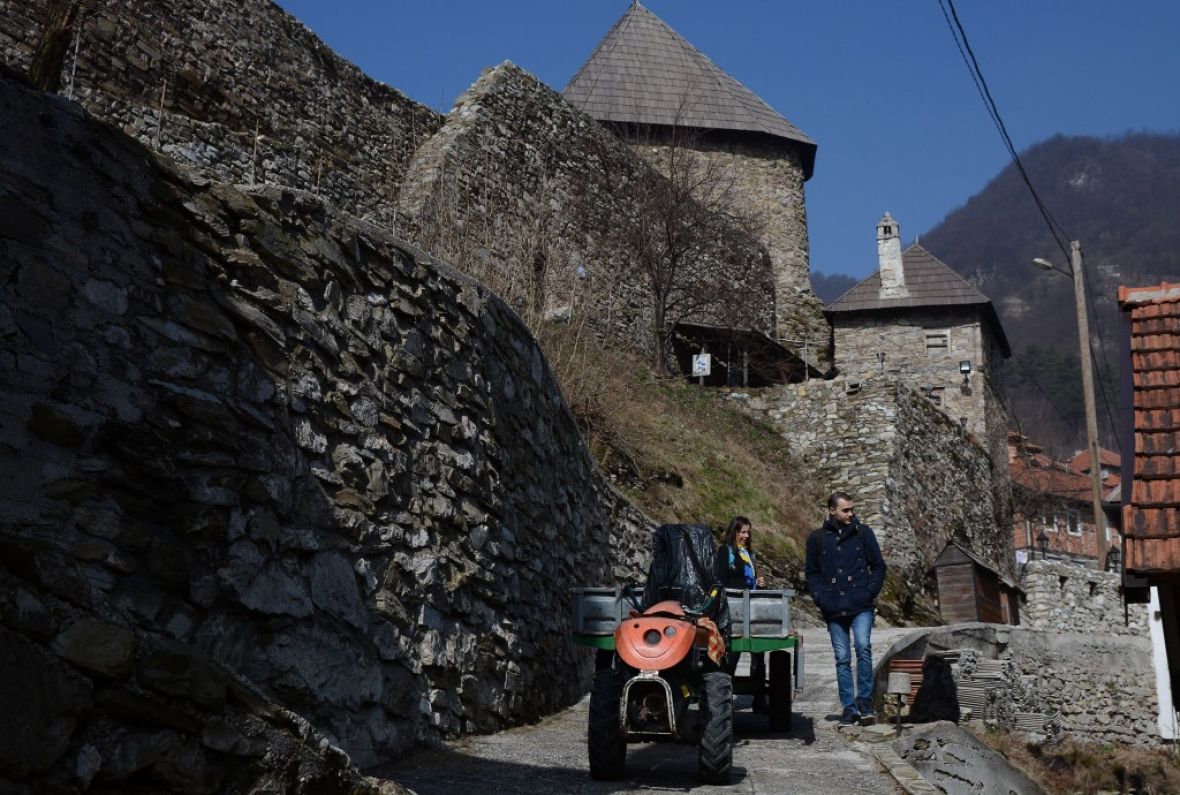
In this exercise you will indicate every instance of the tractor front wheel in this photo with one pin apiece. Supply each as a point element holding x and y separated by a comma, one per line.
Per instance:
<point>604,741</point>
<point>715,757</point>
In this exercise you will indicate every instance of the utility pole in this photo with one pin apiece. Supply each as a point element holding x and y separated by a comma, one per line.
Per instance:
<point>1079,292</point>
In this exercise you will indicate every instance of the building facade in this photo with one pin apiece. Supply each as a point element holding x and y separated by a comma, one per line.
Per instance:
<point>668,100</point>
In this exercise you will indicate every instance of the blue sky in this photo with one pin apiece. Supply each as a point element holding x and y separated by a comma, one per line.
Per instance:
<point>879,85</point>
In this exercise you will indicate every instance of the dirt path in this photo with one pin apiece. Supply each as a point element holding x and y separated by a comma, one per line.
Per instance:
<point>550,757</point>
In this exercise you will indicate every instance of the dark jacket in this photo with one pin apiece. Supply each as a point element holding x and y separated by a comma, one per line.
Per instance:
<point>845,570</point>
<point>730,570</point>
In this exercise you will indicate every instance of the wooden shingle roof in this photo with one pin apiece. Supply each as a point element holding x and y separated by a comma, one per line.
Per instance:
<point>931,283</point>
<point>643,72</point>
<point>1151,504</point>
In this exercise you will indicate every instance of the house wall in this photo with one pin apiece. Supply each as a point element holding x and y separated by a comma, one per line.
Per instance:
<point>901,337</point>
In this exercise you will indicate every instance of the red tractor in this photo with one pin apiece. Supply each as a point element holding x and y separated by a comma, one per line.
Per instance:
<point>660,675</point>
<point>665,679</point>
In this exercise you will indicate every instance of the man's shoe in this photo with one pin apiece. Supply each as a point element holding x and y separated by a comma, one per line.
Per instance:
<point>867,716</point>
<point>849,717</point>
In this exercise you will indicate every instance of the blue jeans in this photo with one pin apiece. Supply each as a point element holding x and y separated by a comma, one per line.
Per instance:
<point>859,626</point>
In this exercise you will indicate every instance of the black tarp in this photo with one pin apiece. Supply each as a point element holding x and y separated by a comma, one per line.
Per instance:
<point>682,569</point>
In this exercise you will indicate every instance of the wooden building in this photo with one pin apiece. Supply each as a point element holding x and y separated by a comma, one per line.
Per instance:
<point>971,590</point>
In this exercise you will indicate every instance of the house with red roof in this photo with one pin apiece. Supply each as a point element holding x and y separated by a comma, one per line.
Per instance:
<point>1150,381</point>
<point>1052,508</point>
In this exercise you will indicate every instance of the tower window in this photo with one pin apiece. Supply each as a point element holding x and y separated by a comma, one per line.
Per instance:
<point>937,340</point>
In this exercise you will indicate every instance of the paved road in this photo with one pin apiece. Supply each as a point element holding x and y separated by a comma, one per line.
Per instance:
<point>550,757</point>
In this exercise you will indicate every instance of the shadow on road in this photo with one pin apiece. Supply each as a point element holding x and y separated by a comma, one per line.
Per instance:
<point>662,767</point>
<point>656,767</point>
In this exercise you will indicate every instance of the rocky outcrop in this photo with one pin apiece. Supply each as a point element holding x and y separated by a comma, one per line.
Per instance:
<point>263,461</point>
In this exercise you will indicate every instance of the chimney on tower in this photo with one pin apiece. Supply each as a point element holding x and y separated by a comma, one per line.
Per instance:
<point>889,259</point>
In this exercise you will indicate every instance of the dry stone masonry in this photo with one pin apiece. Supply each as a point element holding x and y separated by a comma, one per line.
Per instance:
<point>247,438</point>
<point>1063,597</point>
<point>238,87</point>
<point>918,481</point>
<point>534,197</point>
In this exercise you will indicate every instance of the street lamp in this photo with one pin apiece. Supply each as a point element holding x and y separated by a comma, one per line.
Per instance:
<point>1043,543</point>
<point>965,369</point>
<point>1076,274</point>
<point>1114,559</point>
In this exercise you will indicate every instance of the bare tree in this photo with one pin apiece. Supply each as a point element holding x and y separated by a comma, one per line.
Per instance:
<point>686,235</point>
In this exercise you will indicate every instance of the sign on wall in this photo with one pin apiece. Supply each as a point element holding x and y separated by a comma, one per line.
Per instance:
<point>701,364</point>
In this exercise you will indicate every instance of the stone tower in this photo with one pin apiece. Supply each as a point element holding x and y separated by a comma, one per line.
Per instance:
<point>654,89</point>
<point>889,259</point>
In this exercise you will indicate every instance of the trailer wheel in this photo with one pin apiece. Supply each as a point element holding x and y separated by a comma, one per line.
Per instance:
<point>780,691</point>
<point>604,741</point>
<point>715,758</point>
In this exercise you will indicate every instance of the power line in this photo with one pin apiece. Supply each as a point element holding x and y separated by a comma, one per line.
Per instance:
<point>1056,229</point>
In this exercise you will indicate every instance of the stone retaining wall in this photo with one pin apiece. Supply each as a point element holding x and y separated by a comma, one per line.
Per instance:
<point>1102,684</point>
<point>258,431</point>
<point>918,480</point>
<point>1060,597</point>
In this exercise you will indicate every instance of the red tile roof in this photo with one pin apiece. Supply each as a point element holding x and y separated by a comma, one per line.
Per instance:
<point>1037,472</point>
<point>1151,512</point>
<point>1081,461</point>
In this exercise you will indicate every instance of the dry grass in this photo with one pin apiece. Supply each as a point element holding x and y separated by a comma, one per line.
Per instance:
<point>686,454</point>
<point>1087,769</point>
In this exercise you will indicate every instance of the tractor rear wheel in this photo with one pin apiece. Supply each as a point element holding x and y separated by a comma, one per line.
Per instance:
<point>604,740</point>
<point>715,755</point>
<point>780,691</point>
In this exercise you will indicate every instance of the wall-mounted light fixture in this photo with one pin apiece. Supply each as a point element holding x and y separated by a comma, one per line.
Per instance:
<point>965,369</point>
<point>1043,543</point>
<point>1114,559</point>
<point>881,359</point>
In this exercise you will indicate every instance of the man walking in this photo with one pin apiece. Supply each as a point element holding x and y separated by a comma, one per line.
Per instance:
<point>845,572</point>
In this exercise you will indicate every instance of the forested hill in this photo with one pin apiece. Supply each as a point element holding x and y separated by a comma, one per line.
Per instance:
<point>1121,198</point>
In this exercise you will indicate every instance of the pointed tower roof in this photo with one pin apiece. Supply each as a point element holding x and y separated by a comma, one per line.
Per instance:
<point>643,72</point>
<point>931,283</point>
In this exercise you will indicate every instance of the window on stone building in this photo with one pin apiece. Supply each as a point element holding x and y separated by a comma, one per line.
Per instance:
<point>1050,522</point>
<point>1073,523</point>
<point>937,341</point>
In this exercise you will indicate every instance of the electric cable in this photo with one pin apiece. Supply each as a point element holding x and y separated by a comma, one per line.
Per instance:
<point>959,34</point>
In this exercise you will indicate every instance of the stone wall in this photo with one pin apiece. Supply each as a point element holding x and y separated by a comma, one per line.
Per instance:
<point>540,201</point>
<point>239,87</point>
<point>765,181</point>
<point>918,480</point>
<point>1062,597</point>
<point>1102,685</point>
<point>254,430</point>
